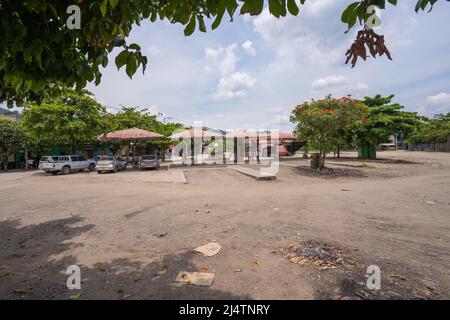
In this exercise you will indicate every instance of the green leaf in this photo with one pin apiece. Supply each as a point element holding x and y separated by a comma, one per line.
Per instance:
<point>292,7</point>
<point>190,28</point>
<point>350,14</point>
<point>131,66</point>
<point>113,3</point>
<point>103,7</point>
<point>201,23</point>
<point>254,7</point>
<point>121,59</point>
<point>220,13</point>
<point>275,8</point>
<point>134,46</point>
<point>231,6</point>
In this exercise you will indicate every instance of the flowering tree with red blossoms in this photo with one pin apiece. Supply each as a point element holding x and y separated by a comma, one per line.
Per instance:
<point>320,121</point>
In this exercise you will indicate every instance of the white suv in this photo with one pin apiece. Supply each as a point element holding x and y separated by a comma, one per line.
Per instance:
<point>66,164</point>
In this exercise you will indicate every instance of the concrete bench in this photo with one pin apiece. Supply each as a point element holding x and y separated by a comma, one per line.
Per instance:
<point>256,174</point>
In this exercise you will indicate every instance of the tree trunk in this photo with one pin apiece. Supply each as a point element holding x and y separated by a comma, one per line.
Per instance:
<point>26,157</point>
<point>315,161</point>
<point>5,161</point>
<point>322,160</point>
<point>338,151</point>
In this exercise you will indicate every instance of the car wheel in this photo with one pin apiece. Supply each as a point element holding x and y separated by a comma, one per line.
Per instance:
<point>99,172</point>
<point>116,169</point>
<point>91,167</point>
<point>65,170</point>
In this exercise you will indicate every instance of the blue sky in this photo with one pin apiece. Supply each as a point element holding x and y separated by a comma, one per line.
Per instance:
<point>250,73</point>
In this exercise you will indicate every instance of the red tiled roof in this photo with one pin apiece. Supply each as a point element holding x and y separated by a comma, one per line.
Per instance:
<point>130,134</point>
<point>196,133</point>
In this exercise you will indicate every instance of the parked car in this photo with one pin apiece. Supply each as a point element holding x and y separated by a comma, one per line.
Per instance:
<point>66,164</point>
<point>110,164</point>
<point>148,162</point>
<point>45,159</point>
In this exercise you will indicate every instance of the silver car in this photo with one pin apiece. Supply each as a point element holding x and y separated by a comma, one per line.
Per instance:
<point>148,162</point>
<point>110,164</point>
<point>66,164</point>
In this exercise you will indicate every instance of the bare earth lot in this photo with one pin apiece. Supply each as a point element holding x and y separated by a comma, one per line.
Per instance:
<point>132,232</point>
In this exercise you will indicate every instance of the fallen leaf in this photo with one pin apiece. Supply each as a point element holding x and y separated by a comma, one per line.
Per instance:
<point>195,278</point>
<point>204,269</point>
<point>101,266</point>
<point>127,296</point>
<point>75,296</point>
<point>161,234</point>
<point>13,256</point>
<point>21,291</point>
<point>186,278</point>
<point>256,263</point>
<point>162,272</point>
<point>237,270</point>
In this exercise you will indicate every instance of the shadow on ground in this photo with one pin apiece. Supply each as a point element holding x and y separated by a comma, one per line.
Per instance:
<point>330,173</point>
<point>34,258</point>
<point>379,160</point>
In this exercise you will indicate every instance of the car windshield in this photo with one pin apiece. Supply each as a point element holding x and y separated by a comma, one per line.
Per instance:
<point>106,158</point>
<point>49,159</point>
<point>148,157</point>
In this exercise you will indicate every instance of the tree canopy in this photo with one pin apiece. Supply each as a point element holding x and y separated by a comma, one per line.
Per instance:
<point>320,122</point>
<point>10,137</point>
<point>70,119</point>
<point>435,130</point>
<point>39,54</point>
<point>384,120</point>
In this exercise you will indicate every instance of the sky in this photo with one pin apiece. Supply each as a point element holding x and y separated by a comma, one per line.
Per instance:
<point>250,73</point>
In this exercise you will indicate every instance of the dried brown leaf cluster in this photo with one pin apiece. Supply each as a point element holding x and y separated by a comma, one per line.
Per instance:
<point>375,45</point>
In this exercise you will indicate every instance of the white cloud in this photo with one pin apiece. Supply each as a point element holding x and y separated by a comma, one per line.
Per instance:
<point>223,59</point>
<point>248,47</point>
<point>439,103</point>
<point>316,7</point>
<point>360,86</point>
<point>234,86</point>
<point>330,81</point>
<point>339,82</point>
<point>274,110</point>
<point>441,98</point>
<point>299,42</point>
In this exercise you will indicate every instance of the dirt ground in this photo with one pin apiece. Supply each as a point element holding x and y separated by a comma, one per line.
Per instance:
<point>131,235</point>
